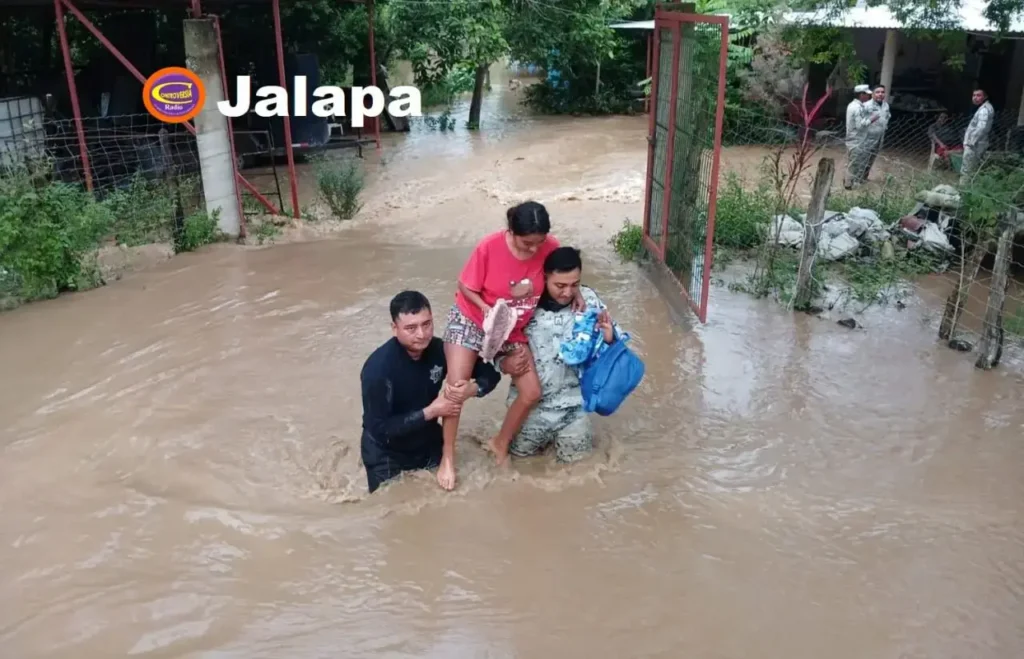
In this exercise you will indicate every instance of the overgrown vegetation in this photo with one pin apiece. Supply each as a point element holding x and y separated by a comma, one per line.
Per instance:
<point>743,223</point>
<point>340,184</point>
<point>50,232</point>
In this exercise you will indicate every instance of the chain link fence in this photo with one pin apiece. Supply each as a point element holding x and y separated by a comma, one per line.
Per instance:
<point>912,228</point>
<point>146,190</point>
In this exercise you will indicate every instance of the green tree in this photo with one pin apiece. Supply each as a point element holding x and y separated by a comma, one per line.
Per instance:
<point>439,36</point>
<point>573,37</point>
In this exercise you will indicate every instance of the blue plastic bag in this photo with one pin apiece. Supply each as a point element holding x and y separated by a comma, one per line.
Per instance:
<point>611,378</point>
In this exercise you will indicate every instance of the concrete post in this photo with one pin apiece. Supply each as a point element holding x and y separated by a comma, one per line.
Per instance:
<point>892,38</point>
<point>216,161</point>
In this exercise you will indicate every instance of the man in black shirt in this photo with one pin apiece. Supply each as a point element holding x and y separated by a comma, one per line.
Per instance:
<point>404,396</point>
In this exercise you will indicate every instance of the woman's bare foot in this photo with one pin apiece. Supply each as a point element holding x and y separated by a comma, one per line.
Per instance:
<point>446,475</point>
<point>500,452</point>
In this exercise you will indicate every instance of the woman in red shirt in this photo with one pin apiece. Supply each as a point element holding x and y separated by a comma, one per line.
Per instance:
<point>506,265</point>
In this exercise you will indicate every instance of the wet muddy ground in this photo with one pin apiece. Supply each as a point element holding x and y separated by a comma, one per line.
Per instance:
<point>180,473</point>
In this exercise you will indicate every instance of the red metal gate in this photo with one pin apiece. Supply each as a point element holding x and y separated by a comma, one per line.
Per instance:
<point>685,141</point>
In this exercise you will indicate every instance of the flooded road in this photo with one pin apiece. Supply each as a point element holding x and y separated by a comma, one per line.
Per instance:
<point>180,477</point>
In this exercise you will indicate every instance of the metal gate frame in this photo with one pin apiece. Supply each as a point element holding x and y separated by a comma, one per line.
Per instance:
<point>674,20</point>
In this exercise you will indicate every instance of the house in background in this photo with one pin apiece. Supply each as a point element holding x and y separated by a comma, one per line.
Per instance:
<point>914,71</point>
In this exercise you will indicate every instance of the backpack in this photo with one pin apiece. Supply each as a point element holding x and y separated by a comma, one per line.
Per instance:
<point>611,378</point>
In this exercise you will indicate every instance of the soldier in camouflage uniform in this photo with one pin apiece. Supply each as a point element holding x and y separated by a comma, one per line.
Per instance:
<point>559,417</point>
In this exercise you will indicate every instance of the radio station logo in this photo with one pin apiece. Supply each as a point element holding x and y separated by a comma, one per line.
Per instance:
<point>174,95</point>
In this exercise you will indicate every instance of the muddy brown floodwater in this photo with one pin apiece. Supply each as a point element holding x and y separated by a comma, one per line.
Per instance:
<point>180,477</point>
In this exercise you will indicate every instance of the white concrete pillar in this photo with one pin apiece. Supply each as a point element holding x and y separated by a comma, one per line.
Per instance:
<point>892,42</point>
<point>213,142</point>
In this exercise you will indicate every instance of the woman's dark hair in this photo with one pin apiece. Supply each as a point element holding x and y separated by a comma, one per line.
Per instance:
<point>529,219</point>
<point>563,259</point>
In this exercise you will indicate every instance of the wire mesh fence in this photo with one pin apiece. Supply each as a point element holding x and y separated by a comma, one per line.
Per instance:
<point>146,188</point>
<point>682,168</point>
<point>915,223</point>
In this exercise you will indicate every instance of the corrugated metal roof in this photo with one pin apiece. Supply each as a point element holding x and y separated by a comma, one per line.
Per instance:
<point>633,25</point>
<point>649,25</point>
<point>971,18</point>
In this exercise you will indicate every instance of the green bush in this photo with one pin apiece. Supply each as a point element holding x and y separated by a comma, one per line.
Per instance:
<point>628,243</point>
<point>340,184</point>
<point>48,236</point>
<point>741,216</point>
<point>198,229</point>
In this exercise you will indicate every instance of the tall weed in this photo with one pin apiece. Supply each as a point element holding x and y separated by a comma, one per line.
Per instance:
<point>340,185</point>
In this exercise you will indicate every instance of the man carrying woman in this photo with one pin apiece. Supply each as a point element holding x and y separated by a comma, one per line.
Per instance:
<point>559,417</point>
<point>505,268</point>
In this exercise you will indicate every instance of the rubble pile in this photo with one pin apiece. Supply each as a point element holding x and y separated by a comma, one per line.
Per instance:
<point>926,226</point>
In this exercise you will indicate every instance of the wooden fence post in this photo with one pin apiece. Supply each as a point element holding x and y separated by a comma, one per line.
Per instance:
<point>990,349</point>
<point>812,229</point>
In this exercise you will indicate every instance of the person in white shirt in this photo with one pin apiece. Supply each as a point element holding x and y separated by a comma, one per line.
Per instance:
<point>857,159</point>
<point>976,137</point>
<point>878,121</point>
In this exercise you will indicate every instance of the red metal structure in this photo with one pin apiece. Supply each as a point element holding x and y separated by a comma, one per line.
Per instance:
<point>684,145</point>
<point>195,8</point>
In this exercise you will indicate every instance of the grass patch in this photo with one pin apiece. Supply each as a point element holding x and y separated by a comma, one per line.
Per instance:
<point>340,184</point>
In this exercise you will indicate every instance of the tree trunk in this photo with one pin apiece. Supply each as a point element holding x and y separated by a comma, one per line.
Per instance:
<point>812,228</point>
<point>958,297</point>
<point>478,96</point>
<point>990,349</point>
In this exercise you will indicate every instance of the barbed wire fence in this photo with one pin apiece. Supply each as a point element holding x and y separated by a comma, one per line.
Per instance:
<point>909,230</point>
